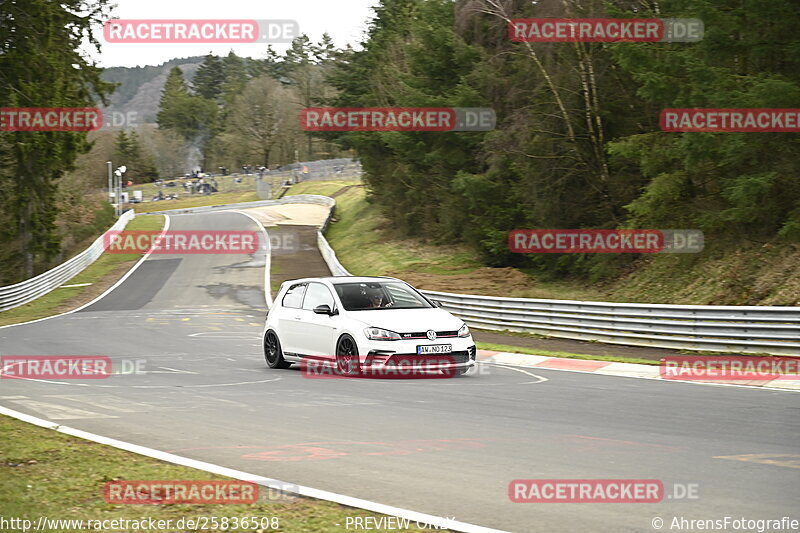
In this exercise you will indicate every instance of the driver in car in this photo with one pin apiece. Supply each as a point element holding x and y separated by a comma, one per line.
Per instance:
<point>376,298</point>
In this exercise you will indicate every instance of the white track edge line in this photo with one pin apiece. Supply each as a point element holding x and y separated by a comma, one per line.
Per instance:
<point>103,295</point>
<point>245,476</point>
<point>758,387</point>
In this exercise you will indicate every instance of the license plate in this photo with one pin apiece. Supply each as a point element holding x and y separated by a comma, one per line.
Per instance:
<point>433,349</point>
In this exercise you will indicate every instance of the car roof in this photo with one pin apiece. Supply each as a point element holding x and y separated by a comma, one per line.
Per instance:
<point>343,279</point>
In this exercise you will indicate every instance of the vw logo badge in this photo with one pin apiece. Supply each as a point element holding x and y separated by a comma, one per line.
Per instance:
<point>430,334</point>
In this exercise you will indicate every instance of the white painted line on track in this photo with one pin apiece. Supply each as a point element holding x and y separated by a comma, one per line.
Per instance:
<point>223,335</point>
<point>59,412</point>
<point>540,379</point>
<point>598,373</point>
<point>177,370</point>
<point>176,387</point>
<point>105,401</point>
<point>309,492</point>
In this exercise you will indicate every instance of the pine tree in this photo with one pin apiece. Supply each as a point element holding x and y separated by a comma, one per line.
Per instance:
<point>208,80</point>
<point>175,92</point>
<point>41,65</point>
<point>299,54</point>
<point>271,64</point>
<point>122,147</point>
<point>235,77</point>
<point>128,151</point>
<point>192,116</point>
<point>324,51</point>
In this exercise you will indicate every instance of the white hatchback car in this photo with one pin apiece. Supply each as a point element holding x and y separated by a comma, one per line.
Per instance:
<point>364,324</point>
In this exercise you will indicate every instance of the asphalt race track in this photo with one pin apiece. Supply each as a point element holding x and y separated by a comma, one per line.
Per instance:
<point>445,447</point>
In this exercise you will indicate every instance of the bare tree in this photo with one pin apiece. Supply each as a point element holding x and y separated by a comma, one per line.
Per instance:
<point>588,145</point>
<point>261,116</point>
<point>170,151</point>
<point>501,9</point>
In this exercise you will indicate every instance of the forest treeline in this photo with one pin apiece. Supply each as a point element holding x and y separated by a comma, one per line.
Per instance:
<point>233,111</point>
<point>41,65</point>
<point>239,111</point>
<point>577,142</point>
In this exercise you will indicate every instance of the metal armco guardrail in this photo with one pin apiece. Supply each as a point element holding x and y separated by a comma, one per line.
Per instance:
<point>734,329</point>
<point>25,291</point>
<point>731,329</point>
<point>298,199</point>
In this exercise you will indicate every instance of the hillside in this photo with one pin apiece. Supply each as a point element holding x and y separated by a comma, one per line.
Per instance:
<point>140,88</point>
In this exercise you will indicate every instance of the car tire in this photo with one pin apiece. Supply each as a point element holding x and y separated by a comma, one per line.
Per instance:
<point>347,363</point>
<point>273,353</point>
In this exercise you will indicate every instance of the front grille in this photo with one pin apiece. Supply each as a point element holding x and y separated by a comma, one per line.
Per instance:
<point>422,334</point>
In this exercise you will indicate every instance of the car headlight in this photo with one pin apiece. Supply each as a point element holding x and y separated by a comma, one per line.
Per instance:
<point>379,334</point>
<point>463,331</point>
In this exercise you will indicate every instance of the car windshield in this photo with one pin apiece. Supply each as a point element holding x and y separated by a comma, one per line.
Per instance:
<point>379,295</point>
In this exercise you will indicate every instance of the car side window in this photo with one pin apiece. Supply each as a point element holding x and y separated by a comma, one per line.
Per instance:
<point>294,296</point>
<point>317,294</point>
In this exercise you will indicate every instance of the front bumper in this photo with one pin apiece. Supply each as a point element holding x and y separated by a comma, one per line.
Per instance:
<point>387,354</point>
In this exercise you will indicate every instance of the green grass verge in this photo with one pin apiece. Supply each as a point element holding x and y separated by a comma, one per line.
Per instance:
<point>274,284</point>
<point>723,274</point>
<point>100,274</point>
<point>49,474</point>
<point>325,188</point>
<point>198,201</point>
<point>365,247</point>
<point>534,351</point>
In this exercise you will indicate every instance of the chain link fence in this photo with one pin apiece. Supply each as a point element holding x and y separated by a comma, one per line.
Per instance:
<point>272,184</point>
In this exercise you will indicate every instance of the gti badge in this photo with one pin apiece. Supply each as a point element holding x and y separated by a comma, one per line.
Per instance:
<point>430,334</point>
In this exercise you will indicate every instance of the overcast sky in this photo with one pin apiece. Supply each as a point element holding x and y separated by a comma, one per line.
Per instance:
<point>344,20</point>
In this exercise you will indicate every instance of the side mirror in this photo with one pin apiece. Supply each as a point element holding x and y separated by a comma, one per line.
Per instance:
<point>324,309</point>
